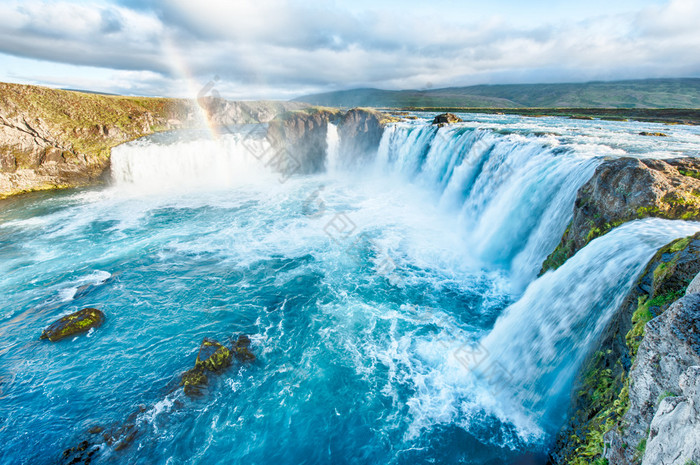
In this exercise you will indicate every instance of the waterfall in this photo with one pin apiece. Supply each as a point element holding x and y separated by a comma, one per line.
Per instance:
<point>332,148</point>
<point>514,194</point>
<point>540,341</point>
<point>191,160</point>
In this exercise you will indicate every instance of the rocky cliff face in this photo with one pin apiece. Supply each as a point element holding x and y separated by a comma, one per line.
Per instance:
<point>674,436</point>
<point>360,132</point>
<point>299,137</point>
<point>53,138</point>
<point>638,368</point>
<point>625,189</point>
<point>662,418</point>
<point>220,112</point>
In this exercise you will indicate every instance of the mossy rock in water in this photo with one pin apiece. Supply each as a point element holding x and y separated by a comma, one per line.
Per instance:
<point>446,118</point>
<point>80,454</point>
<point>213,356</point>
<point>193,381</point>
<point>653,134</point>
<point>241,351</point>
<point>75,323</point>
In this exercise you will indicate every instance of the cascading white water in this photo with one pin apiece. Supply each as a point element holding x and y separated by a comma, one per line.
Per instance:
<point>540,341</point>
<point>186,162</point>
<point>514,194</point>
<point>332,148</point>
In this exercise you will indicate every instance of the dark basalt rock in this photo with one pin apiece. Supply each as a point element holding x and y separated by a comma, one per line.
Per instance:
<point>82,453</point>
<point>447,118</point>
<point>75,323</point>
<point>241,351</point>
<point>193,381</point>
<point>212,357</point>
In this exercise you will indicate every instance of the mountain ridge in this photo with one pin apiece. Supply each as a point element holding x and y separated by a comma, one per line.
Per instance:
<point>646,93</point>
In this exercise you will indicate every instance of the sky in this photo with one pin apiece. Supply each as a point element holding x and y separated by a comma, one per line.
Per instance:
<point>281,49</point>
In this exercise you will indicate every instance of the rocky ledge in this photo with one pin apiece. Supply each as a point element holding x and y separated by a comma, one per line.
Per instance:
<point>52,138</point>
<point>625,189</point>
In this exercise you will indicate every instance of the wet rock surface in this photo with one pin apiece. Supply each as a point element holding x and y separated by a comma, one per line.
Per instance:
<point>446,118</point>
<point>73,324</point>
<point>213,358</point>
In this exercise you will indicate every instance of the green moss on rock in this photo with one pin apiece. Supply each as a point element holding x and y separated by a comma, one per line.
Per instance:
<point>193,381</point>
<point>626,189</point>
<point>241,350</point>
<point>213,356</point>
<point>75,323</point>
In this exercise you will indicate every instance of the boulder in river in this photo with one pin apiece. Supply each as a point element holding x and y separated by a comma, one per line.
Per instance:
<point>75,323</point>
<point>213,356</point>
<point>193,381</point>
<point>241,351</point>
<point>653,134</point>
<point>446,118</point>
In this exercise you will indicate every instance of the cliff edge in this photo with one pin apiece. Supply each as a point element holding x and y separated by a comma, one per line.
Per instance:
<point>626,189</point>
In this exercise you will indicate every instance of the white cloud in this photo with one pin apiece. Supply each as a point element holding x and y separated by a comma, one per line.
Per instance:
<point>281,48</point>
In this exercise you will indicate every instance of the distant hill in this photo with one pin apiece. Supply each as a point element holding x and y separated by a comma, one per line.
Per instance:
<point>648,93</point>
